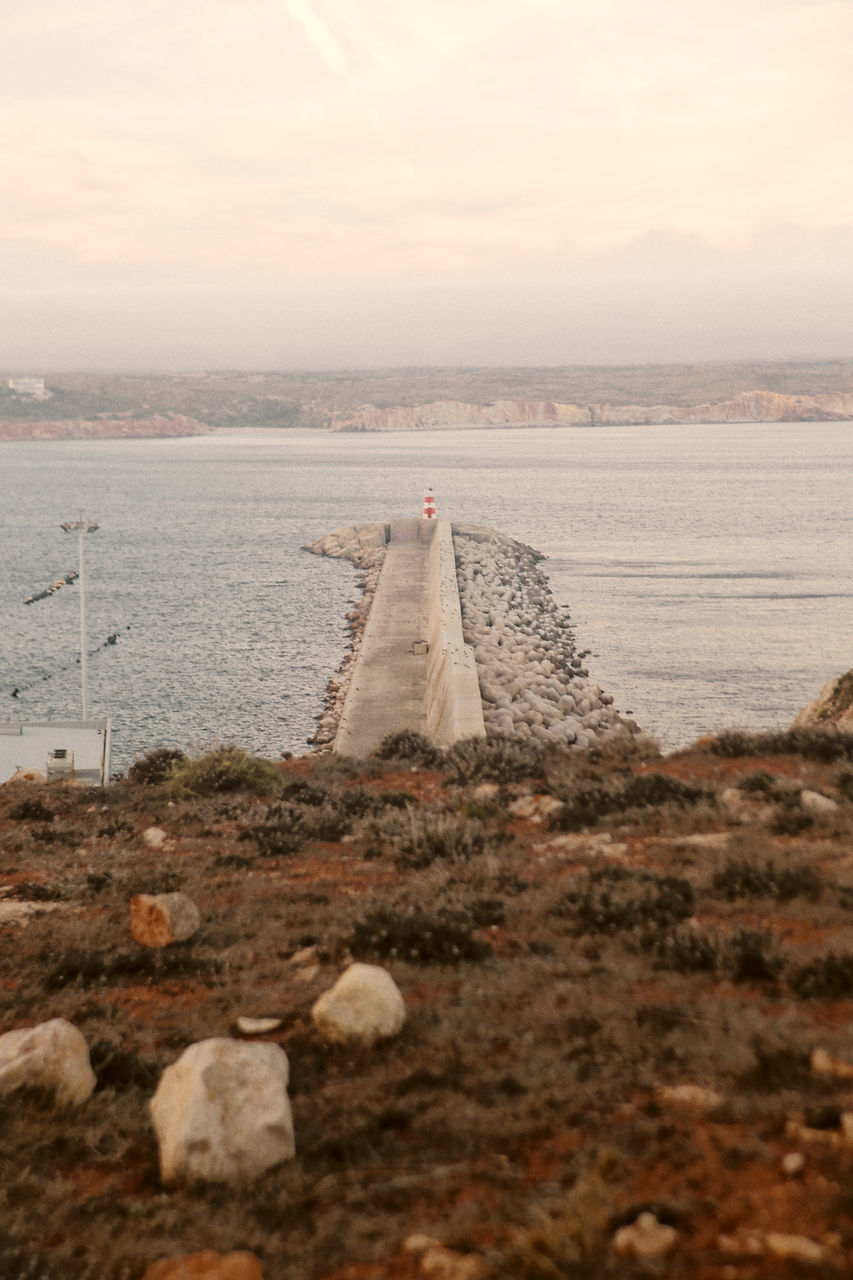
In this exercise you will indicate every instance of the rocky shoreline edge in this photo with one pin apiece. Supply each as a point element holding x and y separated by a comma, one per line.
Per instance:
<point>533,683</point>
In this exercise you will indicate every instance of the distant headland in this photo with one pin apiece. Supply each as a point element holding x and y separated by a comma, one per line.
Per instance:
<point>92,406</point>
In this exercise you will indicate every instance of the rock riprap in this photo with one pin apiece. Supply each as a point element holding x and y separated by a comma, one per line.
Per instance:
<point>364,545</point>
<point>532,679</point>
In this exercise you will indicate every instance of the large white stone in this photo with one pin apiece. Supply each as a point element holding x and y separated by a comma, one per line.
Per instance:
<point>53,1056</point>
<point>221,1112</point>
<point>365,1004</point>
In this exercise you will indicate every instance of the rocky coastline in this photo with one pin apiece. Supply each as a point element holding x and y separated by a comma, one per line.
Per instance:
<point>120,427</point>
<point>749,406</point>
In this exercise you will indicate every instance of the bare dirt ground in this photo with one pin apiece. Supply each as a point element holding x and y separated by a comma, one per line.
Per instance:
<point>574,936</point>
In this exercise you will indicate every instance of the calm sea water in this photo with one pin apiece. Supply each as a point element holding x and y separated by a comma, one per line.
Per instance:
<point>709,569</point>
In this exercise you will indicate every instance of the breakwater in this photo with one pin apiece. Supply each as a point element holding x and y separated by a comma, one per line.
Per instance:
<point>500,654</point>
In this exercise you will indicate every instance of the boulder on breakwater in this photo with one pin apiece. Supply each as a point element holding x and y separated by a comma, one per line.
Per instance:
<point>532,679</point>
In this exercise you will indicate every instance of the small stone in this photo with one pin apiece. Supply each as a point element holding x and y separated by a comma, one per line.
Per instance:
<point>825,1064</point>
<point>257,1026</point>
<point>790,1248</point>
<point>305,958</point>
<point>157,920</point>
<point>438,1263</point>
<point>52,1056</point>
<point>690,1097</point>
<point>154,837</point>
<point>818,805</point>
<point>221,1112</point>
<point>365,1005</point>
<point>793,1164</point>
<point>646,1240</point>
<point>207,1265</point>
<point>419,1243</point>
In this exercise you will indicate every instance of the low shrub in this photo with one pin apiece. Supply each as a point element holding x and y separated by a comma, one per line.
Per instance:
<point>829,977</point>
<point>825,745</point>
<point>223,769</point>
<point>497,759</point>
<point>412,748</point>
<point>420,837</point>
<point>154,767</point>
<point>31,810</point>
<point>684,950</point>
<point>587,804</point>
<point>742,879</point>
<point>752,956</point>
<point>613,899</point>
<point>845,784</point>
<point>415,936</point>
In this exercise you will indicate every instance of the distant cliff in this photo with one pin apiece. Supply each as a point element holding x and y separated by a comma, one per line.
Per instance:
<point>103,427</point>
<point>750,406</point>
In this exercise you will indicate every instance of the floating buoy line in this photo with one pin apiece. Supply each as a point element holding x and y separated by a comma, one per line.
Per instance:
<point>111,640</point>
<point>69,579</point>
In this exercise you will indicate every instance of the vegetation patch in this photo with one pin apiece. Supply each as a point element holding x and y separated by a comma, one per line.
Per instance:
<point>825,745</point>
<point>584,806</point>
<point>154,768</point>
<point>415,936</point>
<point>741,878</point>
<point>497,759</point>
<point>417,838</point>
<point>410,748</point>
<point>614,899</point>
<point>222,770</point>
<point>829,977</point>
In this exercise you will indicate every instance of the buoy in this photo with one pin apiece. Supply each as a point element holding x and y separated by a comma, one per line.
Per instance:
<point>429,505</point>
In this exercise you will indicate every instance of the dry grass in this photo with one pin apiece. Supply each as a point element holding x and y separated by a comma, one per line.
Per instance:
<point>555,980</point>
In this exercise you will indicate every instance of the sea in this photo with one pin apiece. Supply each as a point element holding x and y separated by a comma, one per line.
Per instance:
<point>708,569</point>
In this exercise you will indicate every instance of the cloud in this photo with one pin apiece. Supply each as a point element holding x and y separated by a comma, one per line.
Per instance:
<point>318,34</point>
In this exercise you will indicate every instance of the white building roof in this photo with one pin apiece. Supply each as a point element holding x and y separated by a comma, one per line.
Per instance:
<point>75,749</point>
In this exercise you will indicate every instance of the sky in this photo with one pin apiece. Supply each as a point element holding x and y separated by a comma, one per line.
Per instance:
<point>365,183</point>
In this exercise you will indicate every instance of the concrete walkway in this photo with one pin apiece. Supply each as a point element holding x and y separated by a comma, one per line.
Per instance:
<point>388,692</point>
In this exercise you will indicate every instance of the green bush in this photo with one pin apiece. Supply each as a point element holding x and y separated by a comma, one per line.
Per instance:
<point>814,744</point>
<point>585,805</point>
<point>223,769</point>
<point>155,767</point>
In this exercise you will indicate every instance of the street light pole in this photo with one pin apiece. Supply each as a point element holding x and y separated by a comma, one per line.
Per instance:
<point>82,526</point>
<point>82,613</point>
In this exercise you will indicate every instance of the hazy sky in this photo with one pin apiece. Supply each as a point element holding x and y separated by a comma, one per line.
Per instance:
<point>320,183</point>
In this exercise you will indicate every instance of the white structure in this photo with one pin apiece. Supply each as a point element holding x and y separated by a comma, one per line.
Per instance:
<point>28,387</point>
<point>77,750</point>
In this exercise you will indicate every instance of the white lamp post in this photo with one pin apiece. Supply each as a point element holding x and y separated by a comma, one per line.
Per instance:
<point>82,526</point>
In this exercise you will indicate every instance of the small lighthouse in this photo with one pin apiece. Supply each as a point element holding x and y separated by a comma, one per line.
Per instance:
<point>429,505</point>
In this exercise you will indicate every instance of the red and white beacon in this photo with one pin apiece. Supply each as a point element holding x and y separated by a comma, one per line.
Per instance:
<point>429,505</point>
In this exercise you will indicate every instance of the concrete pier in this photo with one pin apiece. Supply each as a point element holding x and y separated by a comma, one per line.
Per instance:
<point>413,671</point>
<point>387,692</point>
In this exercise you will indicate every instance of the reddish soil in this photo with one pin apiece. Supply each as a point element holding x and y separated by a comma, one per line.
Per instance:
<point>554,982</point>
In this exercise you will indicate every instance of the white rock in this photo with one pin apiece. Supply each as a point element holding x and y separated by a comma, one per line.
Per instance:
<point>257,1026</point>
<point>825,1064</point>
<point>689,1097</point>
<point>158,919</point>
<point>646,1240</point>
<point>53,1056</point>
<point>819,806</point>
<point>365,1004</point>
<point>154,837</point>
<point>221,1112</point>
<point>438,1263</point>
<point>790,1248</point>
<point>793,1163</point>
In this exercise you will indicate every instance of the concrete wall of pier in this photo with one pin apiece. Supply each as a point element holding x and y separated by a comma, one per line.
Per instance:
<point>453,705</point>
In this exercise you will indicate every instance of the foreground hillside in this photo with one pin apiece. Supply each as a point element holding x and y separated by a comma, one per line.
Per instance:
<point>628,983</point>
